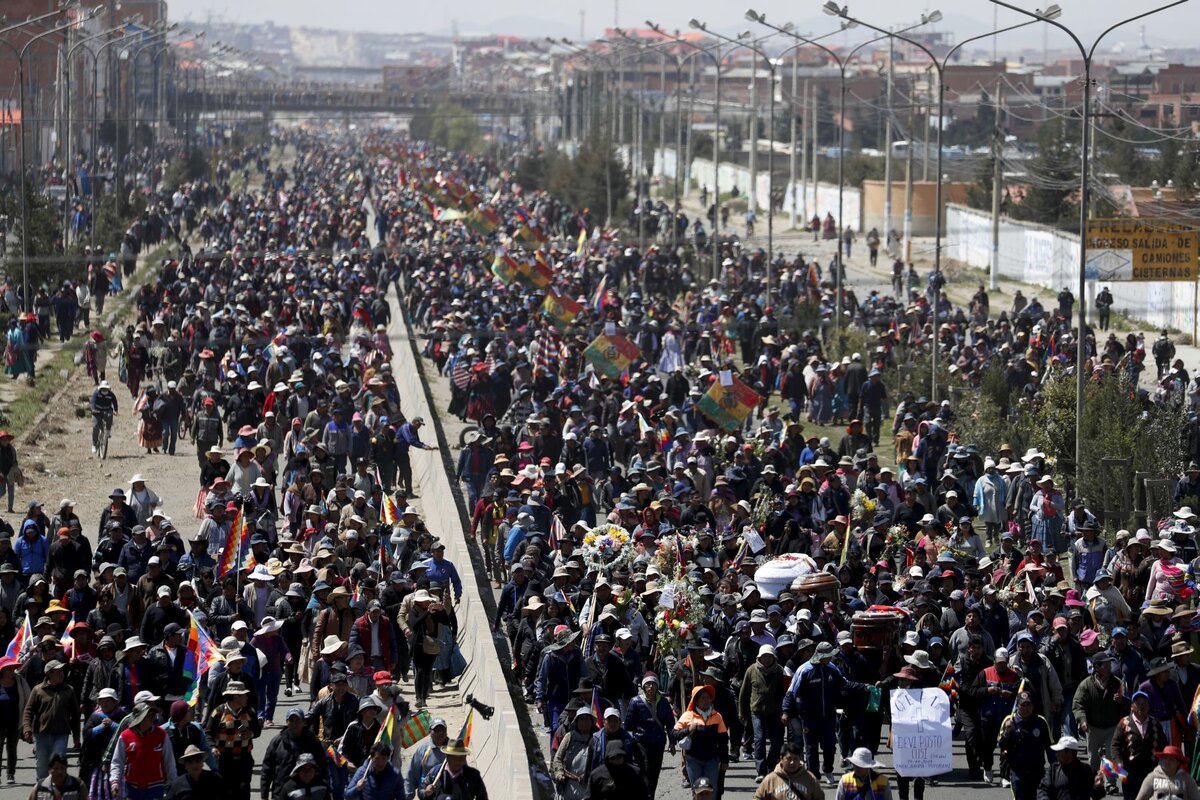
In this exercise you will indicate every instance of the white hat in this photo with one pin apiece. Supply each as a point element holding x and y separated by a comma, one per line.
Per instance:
<point>137,478</point>
<point>766,650</point>
<point>240,625</point>
<point>864,759</point>
<point>912,639</point>
<point>1001,654</point>
<point>845,637</point>
<point>624,633</point>
<point>110,694</point>
<point>1067,743</point>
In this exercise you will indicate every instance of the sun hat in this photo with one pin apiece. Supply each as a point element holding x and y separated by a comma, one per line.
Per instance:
<point>864,759</point>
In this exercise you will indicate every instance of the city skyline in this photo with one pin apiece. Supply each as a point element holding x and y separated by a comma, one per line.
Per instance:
<point>963,17</point>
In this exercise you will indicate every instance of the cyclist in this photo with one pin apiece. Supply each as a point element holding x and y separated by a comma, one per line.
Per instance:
<point>104,408</point>
<point>750,219</point>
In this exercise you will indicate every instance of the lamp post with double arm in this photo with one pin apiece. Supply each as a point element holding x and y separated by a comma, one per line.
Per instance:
<point>939,66</point>
<point>1084,146</point>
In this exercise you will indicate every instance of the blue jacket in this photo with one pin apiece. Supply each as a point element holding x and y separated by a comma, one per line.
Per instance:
<point>386,785</point>
<point>815,691</point>
<point>557,677</point>
<point>516,535</point>
<point>444,572</point>
<point>33,553</point>
<point>649,726</point>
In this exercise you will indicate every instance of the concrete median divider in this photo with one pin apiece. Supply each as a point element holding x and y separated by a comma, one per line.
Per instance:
<point>499,745</point>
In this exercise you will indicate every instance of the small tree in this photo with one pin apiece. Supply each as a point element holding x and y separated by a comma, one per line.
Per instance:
<point>1053,179</point>
<point>1117,422</point>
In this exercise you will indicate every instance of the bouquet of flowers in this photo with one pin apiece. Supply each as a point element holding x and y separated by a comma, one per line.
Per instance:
<point>897,536</point>
<point>606,543</point>
<point>672,626</point>
<point>862,508</point>
<point>668,556</point>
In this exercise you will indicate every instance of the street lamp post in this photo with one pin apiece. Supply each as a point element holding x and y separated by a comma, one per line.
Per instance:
<point>70,132</point>
<point>22,160</point>
<point>714,52</point>
<point>744,40</point>
<point>939,66</point>
<point>1085,122</point>
<point>843,64</point>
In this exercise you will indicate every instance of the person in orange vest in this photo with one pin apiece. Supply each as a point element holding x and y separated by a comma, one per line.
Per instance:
<point>143,763</point>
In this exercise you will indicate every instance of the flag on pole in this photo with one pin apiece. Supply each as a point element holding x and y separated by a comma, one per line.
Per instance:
<point>415,729</point>
<point>390,514</point>
<point>581,245</point>
<point>22,643</point>
<point>1029,589</point>
<point>387,731</point>
<point>600,297</point>
<point>560,309</point>
<point>464,735</point>
<point>558,531</point>
<point>845,549</point>
<point>1115,771</point>
<point>200,653</point>
<point>729,405</point>
<point>949,682</point>
<point>335,756</point>
<point>597,711</point>
<point>230,555</point>
<point>612,355</point>
<point>1193,715</point>
<point>66,641</point>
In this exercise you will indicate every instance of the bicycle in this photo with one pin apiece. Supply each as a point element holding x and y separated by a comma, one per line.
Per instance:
<point>102,435</point>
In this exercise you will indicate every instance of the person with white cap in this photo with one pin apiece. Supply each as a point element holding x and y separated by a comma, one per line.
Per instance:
<point>759,701</point>
<point>864,779</point>
<point>426,758</point>
<point>572,761</point>
<point>990,500</point>
<point>1069,777</point>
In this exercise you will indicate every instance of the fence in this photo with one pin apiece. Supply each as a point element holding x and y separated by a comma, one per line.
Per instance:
<point>1046,257</point>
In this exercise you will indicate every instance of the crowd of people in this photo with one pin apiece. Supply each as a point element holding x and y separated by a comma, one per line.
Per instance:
<point>680,569</point>
<point>149,657</point>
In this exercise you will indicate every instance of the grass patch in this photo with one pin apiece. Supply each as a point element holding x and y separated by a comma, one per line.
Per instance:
<point>20,415</point>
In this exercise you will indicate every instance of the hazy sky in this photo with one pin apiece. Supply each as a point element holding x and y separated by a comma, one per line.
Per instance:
<point>561,17</point>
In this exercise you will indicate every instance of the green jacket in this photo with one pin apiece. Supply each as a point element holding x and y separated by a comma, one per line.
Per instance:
<point>762,690</point>
<point>1098,705</point>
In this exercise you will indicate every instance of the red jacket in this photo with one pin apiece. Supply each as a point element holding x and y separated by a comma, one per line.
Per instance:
<point>361,635</point>
<point>144,757</point>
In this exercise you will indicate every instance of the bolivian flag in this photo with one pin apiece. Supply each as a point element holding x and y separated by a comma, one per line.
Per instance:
<point>505,267</point>
<point>612,355</point>
<point>560,309</point>
<point>535,272</point>
<point>728,406</point>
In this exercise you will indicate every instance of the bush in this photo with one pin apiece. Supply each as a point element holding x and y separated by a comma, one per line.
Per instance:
<point>1117,423</point>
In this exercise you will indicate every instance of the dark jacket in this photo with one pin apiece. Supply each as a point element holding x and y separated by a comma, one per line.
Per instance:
<point>282,754</point>
<point>616,782</point>
<point>1074,781</point>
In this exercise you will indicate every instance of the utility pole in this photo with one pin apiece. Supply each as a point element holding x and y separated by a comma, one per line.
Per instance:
<point>816,145</point>
<point>752,130</point>
<point>793,131</point>
<point>803,156</point>
<point>887,141</point>
<point>997,185</point>
<point>908,178</point>
<point>925,139</point>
